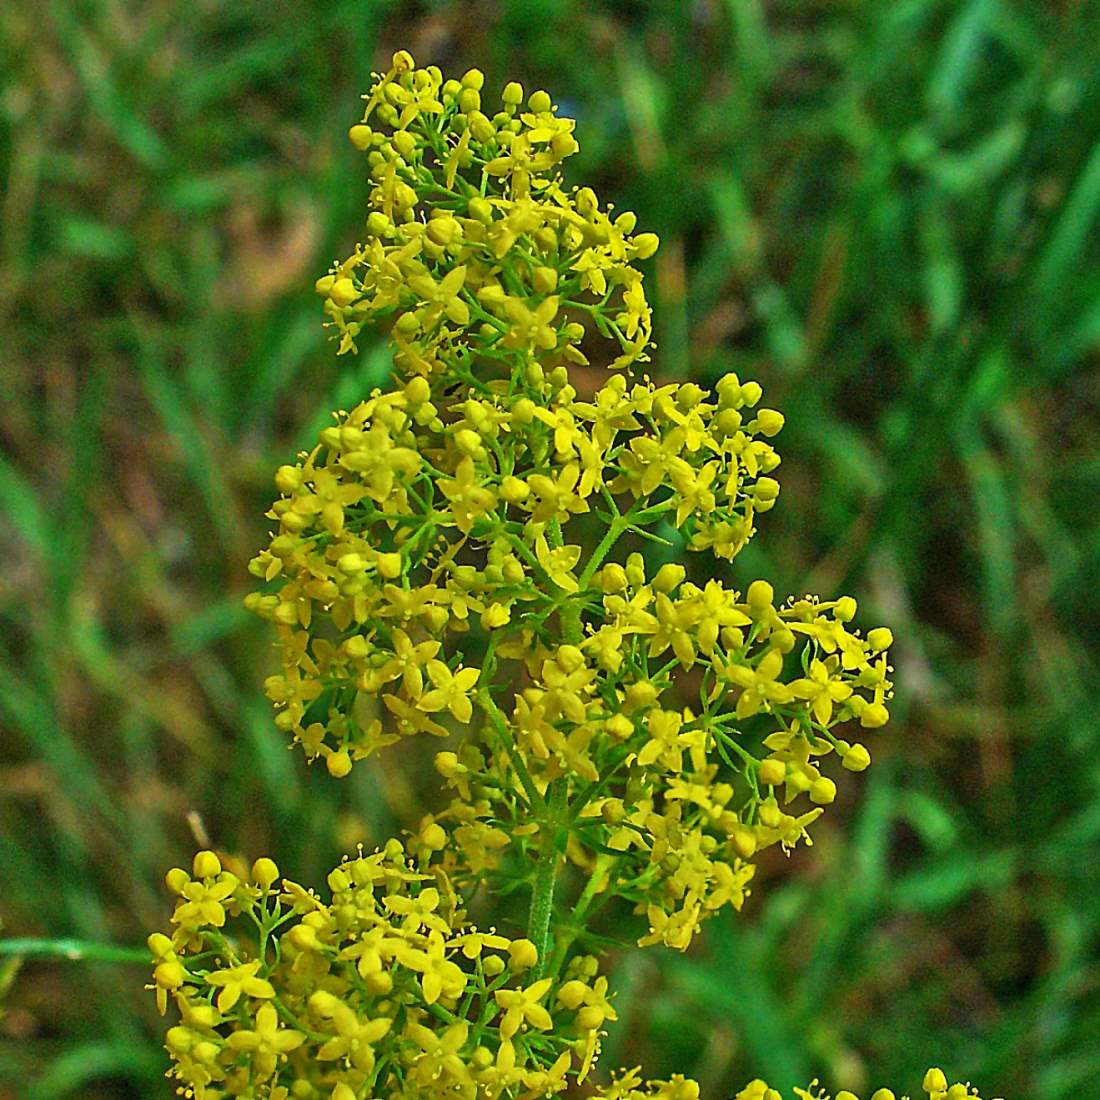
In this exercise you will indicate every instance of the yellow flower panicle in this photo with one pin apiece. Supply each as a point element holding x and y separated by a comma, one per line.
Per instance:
<point>473,244</point>
<point>446,560</point>
<point>434,550</point>
<point>934,1087</point>
<point>385,989</point>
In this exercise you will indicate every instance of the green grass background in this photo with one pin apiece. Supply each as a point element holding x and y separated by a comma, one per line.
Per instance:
<point>887,212</point>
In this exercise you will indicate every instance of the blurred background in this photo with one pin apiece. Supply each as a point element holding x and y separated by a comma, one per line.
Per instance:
<point>887,213</point>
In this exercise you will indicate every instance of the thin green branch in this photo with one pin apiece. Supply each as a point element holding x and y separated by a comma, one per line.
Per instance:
<point>74,951</point>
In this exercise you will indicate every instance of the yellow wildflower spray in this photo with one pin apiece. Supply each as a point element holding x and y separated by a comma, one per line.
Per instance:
<point>453,558</point>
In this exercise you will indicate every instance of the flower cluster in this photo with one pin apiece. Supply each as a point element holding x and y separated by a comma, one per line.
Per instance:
<point>459,556</point>
<point>473,241</point>
<point>451,539</point>
<point>629,1086</point>
<point>385,989</point>
<point>935,1086</point>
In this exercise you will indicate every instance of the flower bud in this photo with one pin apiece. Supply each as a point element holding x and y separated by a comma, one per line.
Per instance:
<point>744,841</point>
<point>265,872</point>
<point>378,225</point>
<point>845,609</point>
<point>523,411</point>
<point>389,565</point>
<point>303,937</point>
<point>360,136</point>
<point>160,945</point>
<point>641,694</point>
<point>338,763</point>
<point>522,954</point>
<point>619,726</point>
<point>751,392</point>
<point>873,716</point>
<point>514,489</point>
<point>613,812</point>
<point>772,772</point>
<point>179,1039</point>
<point>446,763</point>
<point>343,292</point>
<point>766,489</point>
<point>417,390</point>
<point>495,616</point>
<point>480,210</point>
<point>882,637</point>
<point>613,578</point>
<point>540,102</point>
<point>351,564</point>
<point>855,758</point>
<point>571,994</point>
<point>544,280</point>
<point>759,596</point>
<point>404,143</point>
<point>206,865</point>
<point>357,647</point>
<point>468,442</point>
<point>442,231</point>
<point>934,1081</point>
<point>771,816</point>
<point>169,975</point>
<point>668,577</point>
<point>769,422</point>
<point>176,879</point>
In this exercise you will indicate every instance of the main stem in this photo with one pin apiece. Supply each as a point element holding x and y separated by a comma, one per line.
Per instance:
<point>546,873</point>
<point>546,877</point>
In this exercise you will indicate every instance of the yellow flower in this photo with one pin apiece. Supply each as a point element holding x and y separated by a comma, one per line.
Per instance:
<point>268,1042</point>
<point>522,1006</point>
<point>822,690</point>
<point>760,684</point>
<point>239,981</point>
<point>355,1037</point>
<point>442,298</point>
<point>469,499</point>
<point>205,904</point>
<point>559,563</point>
<point>451,691</point>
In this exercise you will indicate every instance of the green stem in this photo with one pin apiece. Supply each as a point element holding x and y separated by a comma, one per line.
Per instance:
<point>597,879</point>
<point>546,877</point>
<point>500,725</point>
<point>75,951</point>
<point>618,525</point>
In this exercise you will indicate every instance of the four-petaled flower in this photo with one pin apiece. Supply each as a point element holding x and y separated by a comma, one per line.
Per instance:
<point>239,981</point>
<point>451,691</point>
<point>267,1043</point>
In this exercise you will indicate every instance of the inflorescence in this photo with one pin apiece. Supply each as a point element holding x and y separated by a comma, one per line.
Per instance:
<point>444,563</point>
